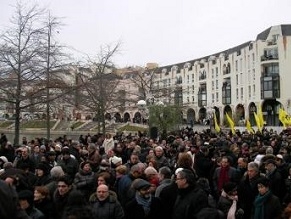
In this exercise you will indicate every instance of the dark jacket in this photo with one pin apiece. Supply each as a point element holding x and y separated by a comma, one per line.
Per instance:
<point>247,192</point>
<point>189,202</point>
<point>84,182</point>
<point>110,208</point>
<point>272,208</point>
<point>133,210</point>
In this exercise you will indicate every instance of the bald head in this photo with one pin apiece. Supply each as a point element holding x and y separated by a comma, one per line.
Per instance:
<point>102,192</point>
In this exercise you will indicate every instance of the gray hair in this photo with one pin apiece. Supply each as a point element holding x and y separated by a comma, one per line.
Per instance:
<point>254,166</point>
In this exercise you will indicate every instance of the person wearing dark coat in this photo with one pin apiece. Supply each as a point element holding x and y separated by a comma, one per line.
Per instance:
<point>43,202</point>
<point>203,163</point>
<point>26,203</point>
<point>105,205</point>
<point>69,164</point>
<point>144,205</point>
<point>248,190</point>
<point>61,195</point>
<point>191,198</point>
<point>77,207</point>
<point>84,179</point>
<point>277,184</point>
<point>266,205</point>
<point>42,173</point>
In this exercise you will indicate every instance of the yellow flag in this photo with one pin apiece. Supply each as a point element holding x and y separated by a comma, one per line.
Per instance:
<point>258,122</point>
<point>261,117</point>
<point>230,123</point>
<point>249,127</point>
<point>216,126</point>
<point>282,117</point>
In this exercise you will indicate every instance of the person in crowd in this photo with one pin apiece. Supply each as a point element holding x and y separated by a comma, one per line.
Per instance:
<point>94,158</point>
<point>77,207</point>
<point>8,205</point>
<point>25,159</point>
<point>26,203</point>
<point>203,183</point>
<point>84,179</point>
<point>223,174</point>
<point>151,175</point>
<point>108,143</point>
<point>55,173</point>
<point>164,176</point>
<point>248,190</point>
<point>61,195</point>
<point>266,205</point>
<point>227,202</point>
<point>143,205</point>
<point>242,166</point>
<point>124,191</point>
<point>105,205</point>
<point>161,160</point>
<point>276,180</point>
<point>43,202</point>
<point>191,198</point>
<point>203,163</point>
<point>51,159</point>
<point>42,173</point>
<point>69,164</point>
<point>75,148</point>
<point>133,159</point>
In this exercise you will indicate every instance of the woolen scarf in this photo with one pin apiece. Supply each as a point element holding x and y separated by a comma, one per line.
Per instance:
<point>259,205</point>
<point>223,177</point>
<point>145,203</point>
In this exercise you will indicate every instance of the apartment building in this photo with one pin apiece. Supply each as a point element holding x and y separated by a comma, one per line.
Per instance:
<point>238,81</point>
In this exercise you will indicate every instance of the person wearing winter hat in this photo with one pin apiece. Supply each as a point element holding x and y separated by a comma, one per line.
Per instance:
<point>116,161</point>
<point>26,203</point>
<point>3,160</point>
<point>84,179</point>
<point>42,173</point>
<point>266,205</point>
<point>144,205</point>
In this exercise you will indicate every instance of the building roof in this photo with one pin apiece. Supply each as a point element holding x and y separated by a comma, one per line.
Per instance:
<point>285,28</point>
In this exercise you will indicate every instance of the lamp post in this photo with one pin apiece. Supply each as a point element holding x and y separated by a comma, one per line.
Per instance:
<point>142,107</point>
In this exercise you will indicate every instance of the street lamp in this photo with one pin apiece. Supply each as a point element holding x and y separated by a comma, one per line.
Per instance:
<point>142,107</point>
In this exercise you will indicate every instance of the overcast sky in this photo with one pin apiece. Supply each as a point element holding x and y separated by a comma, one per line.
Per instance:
<point>161,31</point>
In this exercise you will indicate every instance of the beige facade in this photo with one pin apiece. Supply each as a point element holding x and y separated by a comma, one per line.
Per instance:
<point>238,80</point>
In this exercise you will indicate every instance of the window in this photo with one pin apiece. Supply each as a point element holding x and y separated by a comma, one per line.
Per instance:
<point>216,84</point>
<point>237,96</point>
<point>193,99</point>
<point>212,85</point>
<point>216,71</point>
<point>192,77</point>
<point>213,98</point>
<point>236,79</point>
<point>250,91</point>
<point>241,93</point>
<point>212,73</point>
<point>217,97</point>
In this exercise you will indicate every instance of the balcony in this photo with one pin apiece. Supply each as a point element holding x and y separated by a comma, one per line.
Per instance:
<point>265,58</point>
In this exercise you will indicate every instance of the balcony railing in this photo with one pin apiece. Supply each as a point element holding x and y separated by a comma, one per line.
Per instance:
<point>269,57</point>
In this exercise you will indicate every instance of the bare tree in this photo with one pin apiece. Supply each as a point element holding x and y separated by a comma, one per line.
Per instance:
<point>97,86</point>
<point>23,81</point>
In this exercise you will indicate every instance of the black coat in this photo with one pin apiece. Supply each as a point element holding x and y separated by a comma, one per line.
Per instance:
<point>189,202</point>
<point>247,192</point>
<point>133,210</point>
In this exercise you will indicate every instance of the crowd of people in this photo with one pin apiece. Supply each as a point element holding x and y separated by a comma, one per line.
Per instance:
<point>189,174</point>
